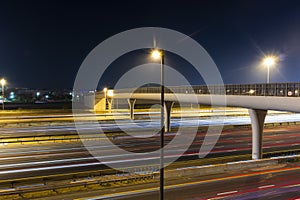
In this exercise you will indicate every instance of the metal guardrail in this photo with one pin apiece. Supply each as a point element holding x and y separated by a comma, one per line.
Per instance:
<point>74,183</point>
<point>272,89</point>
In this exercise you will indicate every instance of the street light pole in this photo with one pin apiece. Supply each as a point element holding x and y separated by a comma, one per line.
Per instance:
<point>105,97</point>
<point>3,81</point>
<point>158,54</point>
<point>162,127</point>
<point>269,61</point>
<point>268,74</point>
<point>2,96</point>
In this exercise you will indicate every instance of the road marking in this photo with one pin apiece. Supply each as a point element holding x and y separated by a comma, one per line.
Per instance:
<point>139,191</point>
<point>289,186</point>
<point>30,186</point>
<point>226,193</point>
<point>7,189</point>
<point>218,147</point>
<point>266,186</point>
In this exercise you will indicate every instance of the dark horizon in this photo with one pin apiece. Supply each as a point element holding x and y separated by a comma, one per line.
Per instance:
<point>42,44</point>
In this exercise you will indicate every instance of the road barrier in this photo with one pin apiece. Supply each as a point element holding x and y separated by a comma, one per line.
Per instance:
<point>228,167</point>
<point>77,184</point>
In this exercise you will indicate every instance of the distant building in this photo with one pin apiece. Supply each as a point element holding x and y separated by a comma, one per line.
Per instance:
<point>26,95</point>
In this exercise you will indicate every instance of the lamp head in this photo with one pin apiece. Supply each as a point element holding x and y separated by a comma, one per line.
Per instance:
<point>2,81</point>
<point>156,54</point>
<point>269,60</point>
<point>110,93</point>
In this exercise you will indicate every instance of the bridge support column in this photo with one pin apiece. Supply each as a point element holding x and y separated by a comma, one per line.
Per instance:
<point>257,123</point>
<point>168,107</point>
<point>131,103</point>
<point>109,102</point>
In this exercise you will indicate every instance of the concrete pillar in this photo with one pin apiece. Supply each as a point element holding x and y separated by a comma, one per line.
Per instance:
<point>168,107</point>
<point>131,103</point>
<point>257,122</point>
<point>110,102</point>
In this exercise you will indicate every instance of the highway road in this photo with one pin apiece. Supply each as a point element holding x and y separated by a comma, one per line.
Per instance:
<point>125,124</point>
<point>53,158</point>
<point>279,184</point>
<point>17,160</point>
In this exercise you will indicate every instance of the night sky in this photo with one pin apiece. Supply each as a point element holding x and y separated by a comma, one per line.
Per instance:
<point>43,43</point>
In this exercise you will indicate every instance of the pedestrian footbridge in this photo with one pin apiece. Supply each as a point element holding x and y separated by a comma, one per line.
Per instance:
<point>258,98</point>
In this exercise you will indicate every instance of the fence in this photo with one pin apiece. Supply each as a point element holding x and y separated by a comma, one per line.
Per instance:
<point>272,89</point>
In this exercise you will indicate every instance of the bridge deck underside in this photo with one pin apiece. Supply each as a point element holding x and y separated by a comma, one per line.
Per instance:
<point>291,104</point>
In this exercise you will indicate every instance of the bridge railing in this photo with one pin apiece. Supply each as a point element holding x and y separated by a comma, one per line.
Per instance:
<point>272,89</point>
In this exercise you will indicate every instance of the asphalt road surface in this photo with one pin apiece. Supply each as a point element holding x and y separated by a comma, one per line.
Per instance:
<point>280,184</point>
<point>29,160</point>
<point>53,158</point>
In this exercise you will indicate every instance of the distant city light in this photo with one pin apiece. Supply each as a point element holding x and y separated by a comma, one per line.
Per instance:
<point>251,91</point>
<point>3,81</point>
<point>11,95</point>
<point>38,94</point>
<point>46,96</point>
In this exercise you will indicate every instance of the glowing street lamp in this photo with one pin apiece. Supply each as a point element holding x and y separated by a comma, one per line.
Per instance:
<point>159,55</point>
<point>110,93</point>
<point>156,54</point>
<point>3,82</point>
<point>269,61</point>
